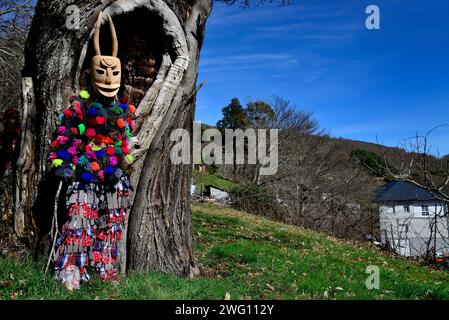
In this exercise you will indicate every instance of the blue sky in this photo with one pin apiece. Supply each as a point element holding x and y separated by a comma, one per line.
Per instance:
<point>372,85</point>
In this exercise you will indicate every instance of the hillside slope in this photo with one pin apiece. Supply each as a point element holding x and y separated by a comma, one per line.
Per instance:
<point>251,258</point>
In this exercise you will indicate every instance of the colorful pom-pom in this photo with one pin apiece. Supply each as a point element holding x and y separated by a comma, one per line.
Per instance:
<point>100,120</point>
<point>128,133</point>
<point>125,149</point>
<point>118,143</point>
<point>81,128</point>
<point>118,172</point>
<point>120,123</point>
<point>95,166</point>
<point>87,177</point>
<point>62,130</point>
<point>97,105</point>
<point>83,161</point>
<point>130,159</point>
<point>110,151</point>
<point>113,161</point>
<point>57,163</point>
<point>54,143</point>
<point>101,175</point>
<point>99,154</point>
<point>118,150</point>
<point>109,170</point>
<point>67,113</point>
<point>132,108</point>
<point>60,118</point>
<point>84,94</point>
<point>72,150</point>
<point>74,131</point>
<point>91,155</point>
<point>62,139</point>
<point>76,104</point>
<point>90,133</point>
<point>64,155</point>
<point>117,110</point>
<point>92,112</point>
<point>124,99</point>
<point>124,107</point>
<point>52,156</point>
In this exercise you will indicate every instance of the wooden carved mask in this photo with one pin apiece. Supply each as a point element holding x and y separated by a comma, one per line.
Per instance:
<point>106,70</point>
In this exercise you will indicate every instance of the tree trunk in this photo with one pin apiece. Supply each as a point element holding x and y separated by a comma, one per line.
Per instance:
<point>159,45</point>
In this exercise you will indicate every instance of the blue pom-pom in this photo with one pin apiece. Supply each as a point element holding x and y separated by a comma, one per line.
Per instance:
<point>64,155</point>
<point>100,154</point>
<point>87,177</point>
<point>124,106</point>
<point>109,170</point>
<point>92,112</point>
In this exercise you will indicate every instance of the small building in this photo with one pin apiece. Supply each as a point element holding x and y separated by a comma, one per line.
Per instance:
<point>412,220</point>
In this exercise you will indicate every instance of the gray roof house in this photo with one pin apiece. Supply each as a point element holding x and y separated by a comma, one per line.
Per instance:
<point>412,221</point>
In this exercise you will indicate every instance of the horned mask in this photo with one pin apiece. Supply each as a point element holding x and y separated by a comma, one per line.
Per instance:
<point>106,70</point>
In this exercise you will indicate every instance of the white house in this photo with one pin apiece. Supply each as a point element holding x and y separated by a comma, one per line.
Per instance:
<point>412,220</point>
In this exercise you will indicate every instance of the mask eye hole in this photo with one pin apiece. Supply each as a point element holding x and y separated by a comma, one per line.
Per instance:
<point>99,71</point>
<point>116,73</point>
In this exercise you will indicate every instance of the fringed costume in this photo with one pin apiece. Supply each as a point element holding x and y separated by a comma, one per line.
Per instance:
<point>91,152</point>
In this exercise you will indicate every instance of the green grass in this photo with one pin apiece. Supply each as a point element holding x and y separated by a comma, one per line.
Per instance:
<point>214,180</point>
<point>251,258</point>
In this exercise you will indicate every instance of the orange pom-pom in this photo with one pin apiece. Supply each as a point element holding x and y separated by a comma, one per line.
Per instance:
<point>132,109</point>
<point>120,123</point>
<point>95,166</point>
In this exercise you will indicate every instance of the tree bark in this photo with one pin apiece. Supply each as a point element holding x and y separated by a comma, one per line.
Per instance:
<point>166,36</point>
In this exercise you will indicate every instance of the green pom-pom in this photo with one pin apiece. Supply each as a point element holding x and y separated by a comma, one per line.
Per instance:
<point>118,150</point>
<point>57,163</point>
<point>73,167</point>
<point>97,105</point>
<point>128,133</point>
<point>118,143</point>
<point>84,94</point>
<point>60,118</point>
<point>82,128</point>
<point>117,110</point>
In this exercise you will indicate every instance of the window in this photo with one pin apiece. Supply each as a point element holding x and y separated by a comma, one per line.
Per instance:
<point>390,209</point>
<point>403,228</point>
<point>407,209</point>
<point>425,210</point>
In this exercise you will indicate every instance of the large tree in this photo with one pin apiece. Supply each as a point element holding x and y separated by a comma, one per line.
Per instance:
<point>159,44</point>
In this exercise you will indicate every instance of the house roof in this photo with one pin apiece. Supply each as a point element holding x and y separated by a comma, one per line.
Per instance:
<point>403,191</point>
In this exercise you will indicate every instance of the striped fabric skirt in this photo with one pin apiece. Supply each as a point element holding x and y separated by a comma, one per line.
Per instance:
<point>91,236</point>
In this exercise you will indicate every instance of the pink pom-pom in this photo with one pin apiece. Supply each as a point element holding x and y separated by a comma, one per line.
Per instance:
<point>52,156</point>
<point>113,160</point>
<point>91,155</point>
<point>72,150</point>
<point>101,175</point>
<point>62,139</point>
<point>61,130</point>
<point>75,160</point>
<point>76,143</point>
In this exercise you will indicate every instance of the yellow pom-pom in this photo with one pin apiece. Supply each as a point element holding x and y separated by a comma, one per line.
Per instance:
<point>129,159</point>
<point>84,94</point>
<point>57,163</point>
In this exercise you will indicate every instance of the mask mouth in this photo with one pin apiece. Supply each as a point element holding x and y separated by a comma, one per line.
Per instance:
<point>107,88</point>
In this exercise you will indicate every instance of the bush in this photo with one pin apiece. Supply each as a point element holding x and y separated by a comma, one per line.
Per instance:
<point>253,198</point>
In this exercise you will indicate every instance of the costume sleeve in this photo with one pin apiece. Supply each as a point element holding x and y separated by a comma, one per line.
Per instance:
<point>64,150</point>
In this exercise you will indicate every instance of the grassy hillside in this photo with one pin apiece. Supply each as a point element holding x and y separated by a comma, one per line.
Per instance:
<point>214,180</point>
<point>251,258</point>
